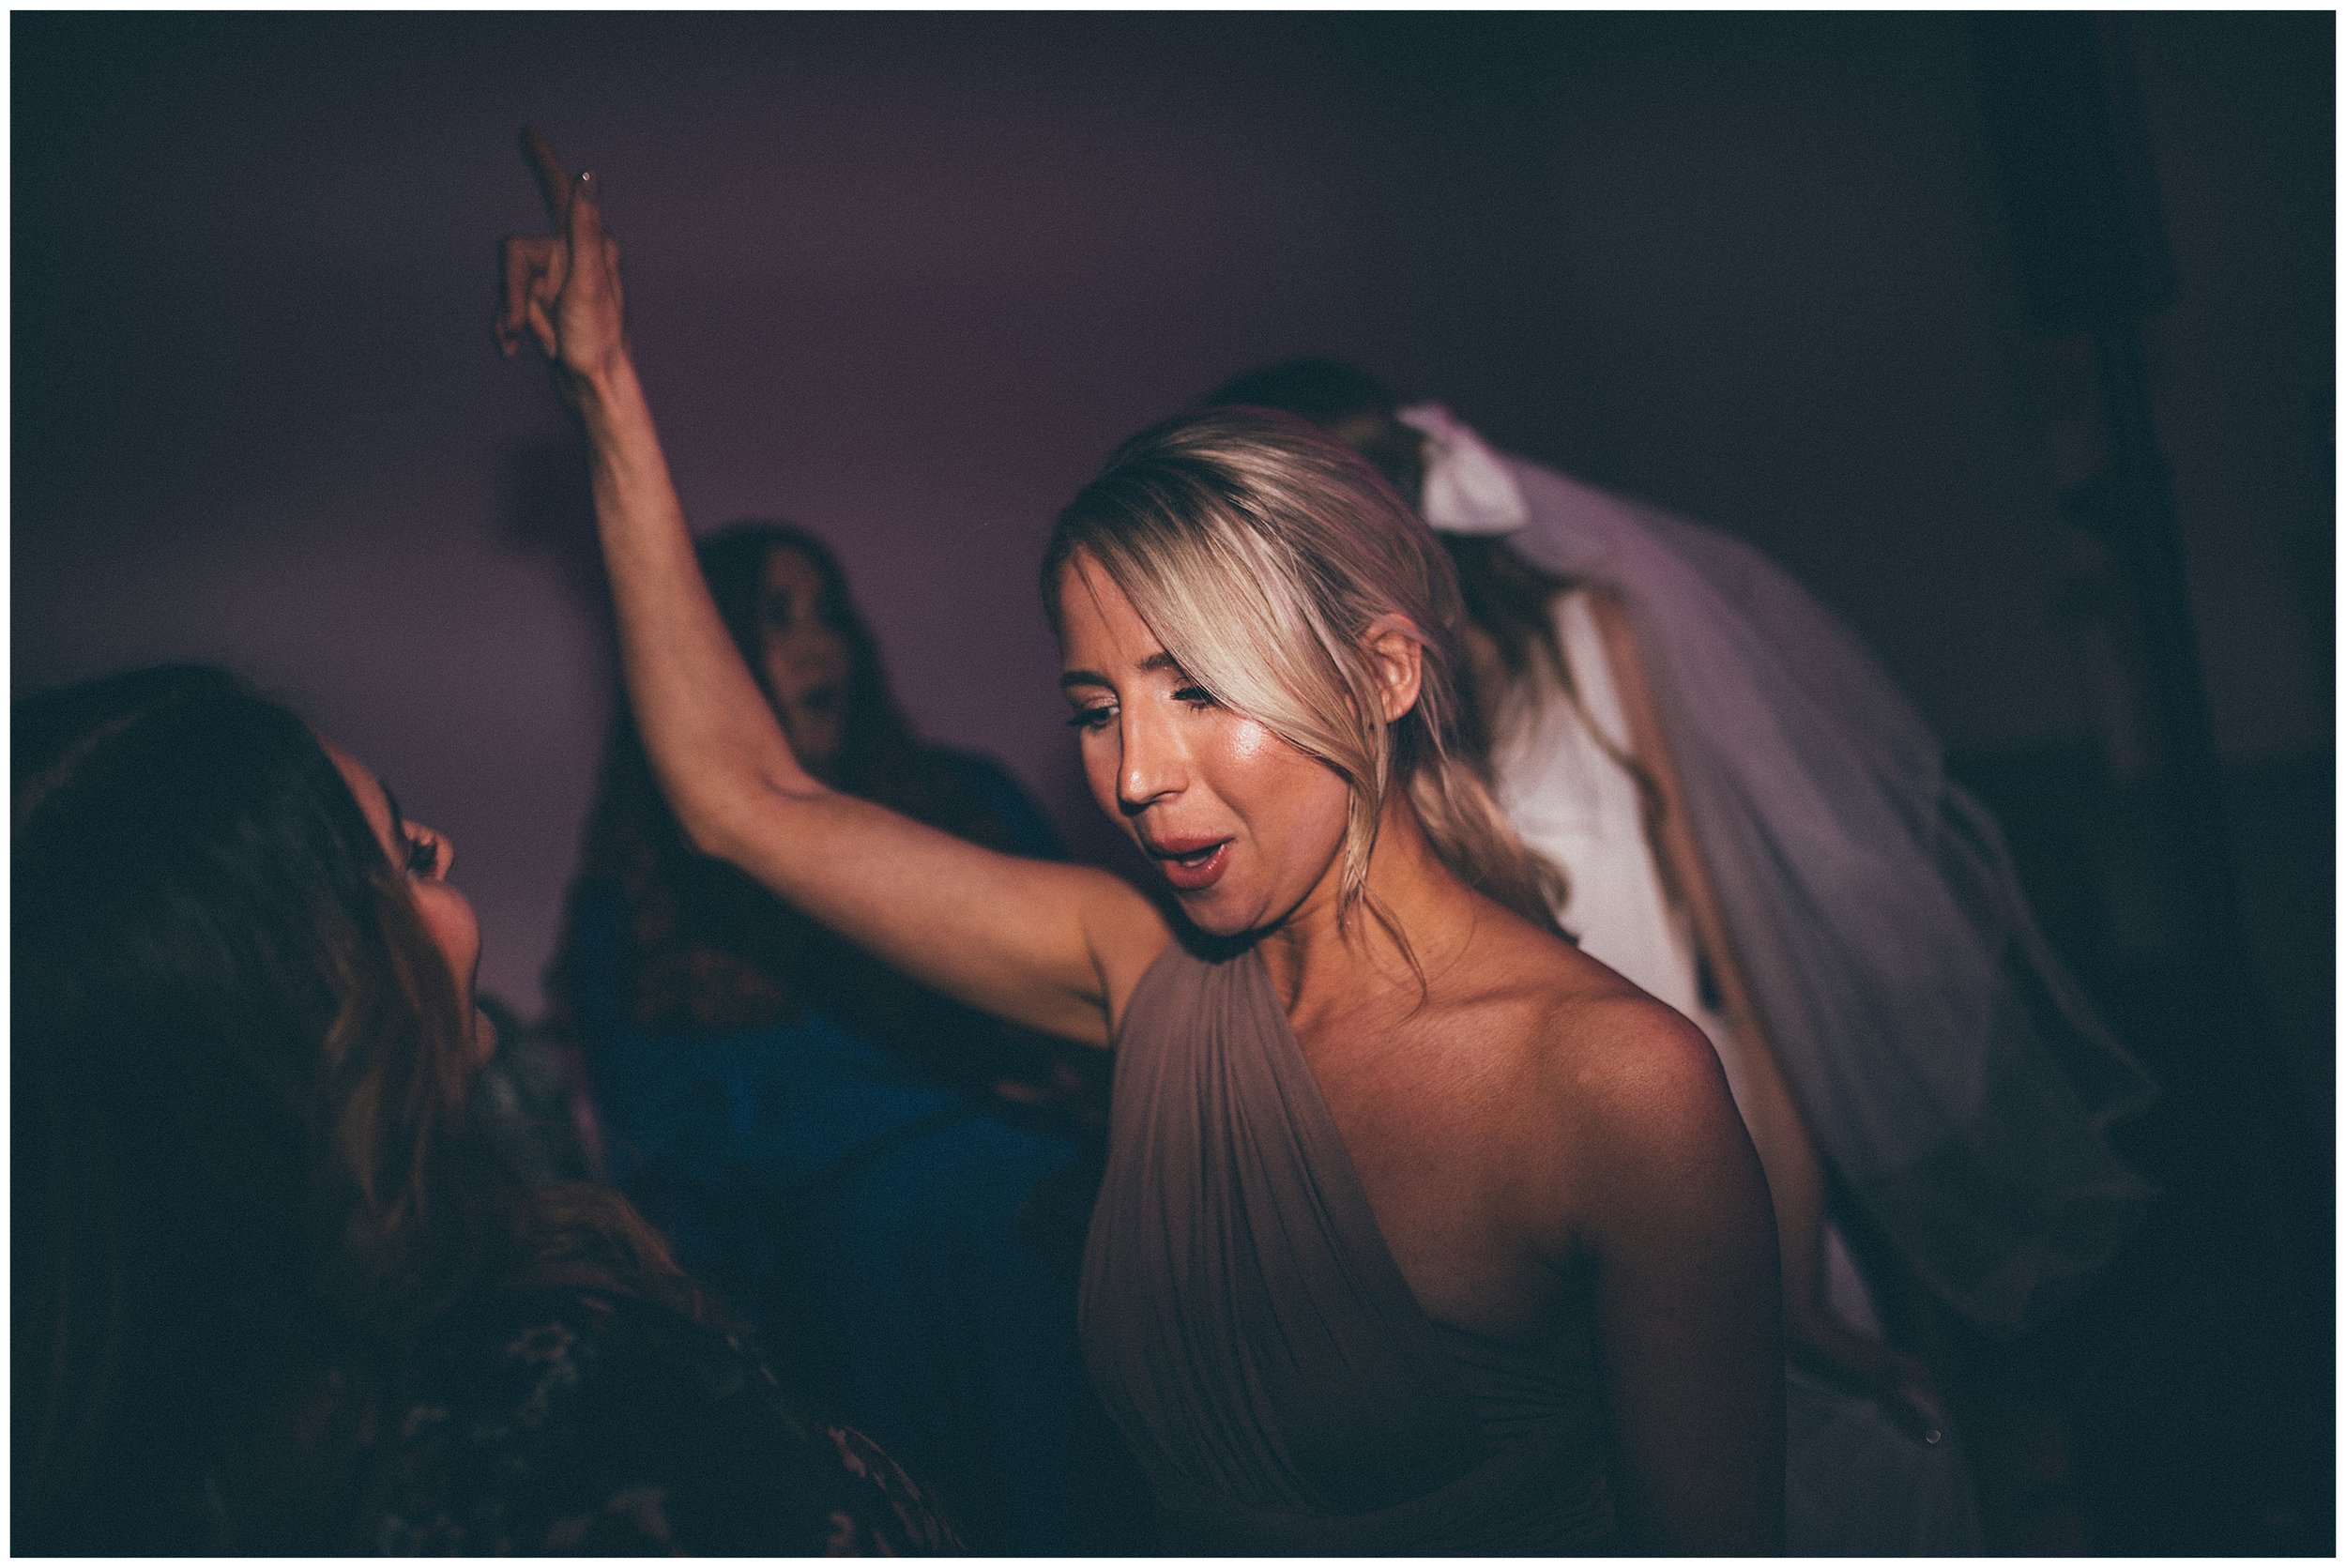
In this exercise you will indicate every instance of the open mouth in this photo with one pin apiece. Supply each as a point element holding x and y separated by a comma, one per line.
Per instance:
<point>1189,870</point>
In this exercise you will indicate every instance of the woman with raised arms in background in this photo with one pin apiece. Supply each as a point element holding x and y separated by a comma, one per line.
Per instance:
<point>1421,1231</point>
<point>833,1149</point>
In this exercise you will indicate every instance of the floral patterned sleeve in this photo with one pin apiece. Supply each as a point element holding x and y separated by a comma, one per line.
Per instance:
<point>587,1424</point>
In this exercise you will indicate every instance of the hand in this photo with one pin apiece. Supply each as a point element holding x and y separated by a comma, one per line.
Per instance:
<point>1902,1385</point>
<point>563,288</point>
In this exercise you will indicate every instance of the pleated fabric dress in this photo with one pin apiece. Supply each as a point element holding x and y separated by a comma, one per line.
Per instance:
<point>1248,1330</point>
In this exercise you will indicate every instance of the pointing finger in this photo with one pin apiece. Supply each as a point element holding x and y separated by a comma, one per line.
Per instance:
<point>553,181</point>
<point>584,219</point>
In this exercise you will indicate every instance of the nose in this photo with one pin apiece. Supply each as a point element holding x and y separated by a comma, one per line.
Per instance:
<point>820,649</point>
<point>1153,765</point>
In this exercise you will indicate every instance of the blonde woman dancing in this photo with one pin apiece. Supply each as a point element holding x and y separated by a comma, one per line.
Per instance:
<point>1421,1231</point>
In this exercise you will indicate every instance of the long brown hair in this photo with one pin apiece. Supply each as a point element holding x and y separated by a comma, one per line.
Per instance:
<point>245,1189</point>
<point>705,947</point>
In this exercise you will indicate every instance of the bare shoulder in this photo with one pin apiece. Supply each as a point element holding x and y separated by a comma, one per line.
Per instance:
<point>1615,1098</point>
<point>1617,1062</point>
<point>1585,1041</point>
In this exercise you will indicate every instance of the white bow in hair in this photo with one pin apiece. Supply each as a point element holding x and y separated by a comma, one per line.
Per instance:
<point>1467,487</point>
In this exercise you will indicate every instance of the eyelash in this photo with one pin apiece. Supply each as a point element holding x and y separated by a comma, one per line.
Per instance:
<point>1093,717</point>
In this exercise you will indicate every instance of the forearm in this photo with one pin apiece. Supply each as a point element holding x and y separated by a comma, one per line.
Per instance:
<point>1011,937</point>
<point>1045,945</point>
<point>1788,1156</point>
<point>712,739</point>
<point>1795,1176</point>
<point>1813,1337</point>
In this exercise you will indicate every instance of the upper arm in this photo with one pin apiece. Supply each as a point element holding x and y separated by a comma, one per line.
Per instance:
<point>1674,1215</point>
<point>1051,946</point>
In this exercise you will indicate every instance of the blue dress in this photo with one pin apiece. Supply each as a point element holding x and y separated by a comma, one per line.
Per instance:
<point>907,1248</point>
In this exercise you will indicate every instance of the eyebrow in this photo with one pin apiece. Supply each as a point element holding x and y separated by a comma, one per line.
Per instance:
<point>1155,661</point>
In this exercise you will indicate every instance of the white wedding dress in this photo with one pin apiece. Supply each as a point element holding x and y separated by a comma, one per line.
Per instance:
<point>1955,1079</point>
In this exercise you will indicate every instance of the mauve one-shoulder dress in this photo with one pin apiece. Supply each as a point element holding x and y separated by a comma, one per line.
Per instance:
<point>1250,1333</point>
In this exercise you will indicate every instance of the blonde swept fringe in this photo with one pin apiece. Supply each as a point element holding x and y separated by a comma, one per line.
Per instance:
<point>1262,554</point>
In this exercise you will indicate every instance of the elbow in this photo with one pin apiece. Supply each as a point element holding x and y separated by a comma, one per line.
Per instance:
<point>712,809</point>
<point>704,833</point>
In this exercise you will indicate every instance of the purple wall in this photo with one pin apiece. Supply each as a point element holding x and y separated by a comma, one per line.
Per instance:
<point>908,279</point>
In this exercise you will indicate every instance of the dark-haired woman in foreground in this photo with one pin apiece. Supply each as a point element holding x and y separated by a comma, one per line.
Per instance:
<point>1420,1232</point>
<point>271,1291</point>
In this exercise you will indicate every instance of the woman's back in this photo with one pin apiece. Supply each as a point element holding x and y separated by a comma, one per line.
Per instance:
<point>569,1421</point>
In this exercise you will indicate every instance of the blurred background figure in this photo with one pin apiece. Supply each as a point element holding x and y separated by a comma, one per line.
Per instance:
<point>1757,829</point>
<point>893,1186</point>
<point>532,1096</point>
<point>274,1290</point>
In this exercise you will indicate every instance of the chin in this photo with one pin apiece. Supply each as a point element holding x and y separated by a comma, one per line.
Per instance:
<point>1221,912</point>
<point>1214,922</point>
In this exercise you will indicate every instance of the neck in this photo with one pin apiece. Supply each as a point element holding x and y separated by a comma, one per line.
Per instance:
<point>1320,962</point>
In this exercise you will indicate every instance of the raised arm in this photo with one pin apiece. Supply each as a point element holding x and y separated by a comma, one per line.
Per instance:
<point>1053,947</point>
